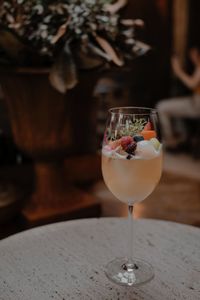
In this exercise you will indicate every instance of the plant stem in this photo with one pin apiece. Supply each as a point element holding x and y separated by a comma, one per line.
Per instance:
<point>130,221</point>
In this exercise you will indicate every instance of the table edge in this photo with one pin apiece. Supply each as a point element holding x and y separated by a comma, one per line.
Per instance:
<point>79,221</point>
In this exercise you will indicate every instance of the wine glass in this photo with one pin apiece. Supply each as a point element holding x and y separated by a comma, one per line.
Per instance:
<point>131,167</point>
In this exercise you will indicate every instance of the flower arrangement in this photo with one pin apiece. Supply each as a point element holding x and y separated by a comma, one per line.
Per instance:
<point>67,34</point>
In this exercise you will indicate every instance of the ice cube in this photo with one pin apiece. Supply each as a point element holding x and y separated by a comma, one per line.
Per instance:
<point>145,149</point>
<point>155,142</point>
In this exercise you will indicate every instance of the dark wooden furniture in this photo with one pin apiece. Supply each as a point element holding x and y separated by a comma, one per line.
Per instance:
<point>55,132</point>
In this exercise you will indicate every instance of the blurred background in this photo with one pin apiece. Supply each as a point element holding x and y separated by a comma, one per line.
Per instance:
<point>50,166</point>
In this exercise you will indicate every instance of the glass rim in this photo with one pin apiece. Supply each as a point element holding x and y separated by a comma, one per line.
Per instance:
<point>147,110</point>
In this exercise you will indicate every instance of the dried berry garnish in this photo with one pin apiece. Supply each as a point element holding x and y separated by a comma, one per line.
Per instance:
<point>138,138</point>
<point>130,149</point>
<point>148,126</point>
<point>125,141</point>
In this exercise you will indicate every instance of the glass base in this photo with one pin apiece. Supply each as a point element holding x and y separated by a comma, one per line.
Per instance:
<point>121,272</point>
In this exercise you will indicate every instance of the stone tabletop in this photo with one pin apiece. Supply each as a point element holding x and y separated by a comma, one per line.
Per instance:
<point>65,261</point>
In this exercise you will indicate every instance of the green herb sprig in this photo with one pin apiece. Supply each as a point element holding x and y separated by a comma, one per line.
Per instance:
<point>131,128</point>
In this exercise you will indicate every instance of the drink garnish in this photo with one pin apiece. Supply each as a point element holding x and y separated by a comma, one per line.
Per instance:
<point>138,138</point>
<point>148,134</point>
<point>114,144</point>
<point>125,141</point>
<point>155,142</point>
<point>130,149</point>
<point>148,126</point>
<point>133,128</point>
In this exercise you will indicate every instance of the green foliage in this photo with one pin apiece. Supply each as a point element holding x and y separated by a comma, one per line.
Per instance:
<point>40,31</point>
<point>133,128</point>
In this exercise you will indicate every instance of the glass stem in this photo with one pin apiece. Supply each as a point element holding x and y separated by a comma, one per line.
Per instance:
<point>130,221</point>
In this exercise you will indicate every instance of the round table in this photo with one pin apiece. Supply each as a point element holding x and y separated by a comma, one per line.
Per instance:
<point>67,260</point>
